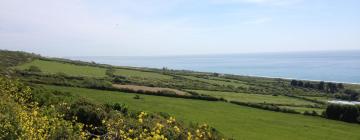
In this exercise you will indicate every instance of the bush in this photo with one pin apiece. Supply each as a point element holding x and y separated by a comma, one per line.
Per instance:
<point>136,97</point>
<point>86,113</point>
<point>21,118</point>
<point>270,107</point>
<point>347,113</point>
<point>120,107</point>
<point>96,84</point>
<point>34,69</point>
<point>110,72</point>
<point>312,113</point>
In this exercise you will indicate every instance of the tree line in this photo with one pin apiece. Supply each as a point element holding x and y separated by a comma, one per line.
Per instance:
<point>328,87</point>
<point>346,113</point>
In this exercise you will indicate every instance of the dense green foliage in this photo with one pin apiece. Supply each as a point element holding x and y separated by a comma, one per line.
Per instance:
<point>347,113</point>
<point>270,107</point>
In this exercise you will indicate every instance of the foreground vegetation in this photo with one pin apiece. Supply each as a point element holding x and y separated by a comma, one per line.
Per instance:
<point>22,117</point>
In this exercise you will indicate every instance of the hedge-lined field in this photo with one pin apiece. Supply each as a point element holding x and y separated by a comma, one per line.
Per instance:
<point>255,98</point>
<point>141,74</point>
<point>234,121</point>
<point>53,67</point>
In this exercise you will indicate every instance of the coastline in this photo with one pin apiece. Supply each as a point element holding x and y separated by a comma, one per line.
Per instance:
<point>186,64</point>
<point>288,78</point>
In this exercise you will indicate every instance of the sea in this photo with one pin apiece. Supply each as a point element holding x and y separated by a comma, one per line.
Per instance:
<point>335,66</point>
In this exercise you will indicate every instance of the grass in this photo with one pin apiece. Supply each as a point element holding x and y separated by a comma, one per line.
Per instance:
<point>234,121</point>
<point>151,89</point>
<point>303,109</point>
<point>218,81</point>
<point>255,98</point>
<point>141,74</point>
<point>319,98</point>
<point>53,67</point>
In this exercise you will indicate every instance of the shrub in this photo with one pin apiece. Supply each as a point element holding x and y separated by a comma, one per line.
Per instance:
<point>21,118</point>
<point>136,97</point>
<point>34,69</point>
<point>96,84</point>
<point>87,113</point>
<point>264,106</point>
<point>120,107</point>
<point>347,113</point>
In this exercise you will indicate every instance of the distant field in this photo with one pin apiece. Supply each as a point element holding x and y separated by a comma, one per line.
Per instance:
<point>218,81</point>
<point>324,99</point>
<point>141,74</point>
<point>255,98</point>
<point>234,121</point>
<point>53,67</point>
<point>303,109</point>
<point>146,88</point>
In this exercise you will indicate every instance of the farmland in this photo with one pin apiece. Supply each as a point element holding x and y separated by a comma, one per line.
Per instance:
<point>52,67</point>
<point>234,121</point>
<point>240,107</point>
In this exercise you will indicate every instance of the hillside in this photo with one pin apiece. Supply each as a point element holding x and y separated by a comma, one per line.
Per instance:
<point>238,107</point>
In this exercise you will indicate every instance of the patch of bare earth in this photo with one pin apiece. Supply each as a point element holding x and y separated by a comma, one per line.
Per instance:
<point>151,89</point>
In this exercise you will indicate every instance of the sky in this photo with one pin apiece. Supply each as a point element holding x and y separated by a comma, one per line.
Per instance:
<point>177,27</point>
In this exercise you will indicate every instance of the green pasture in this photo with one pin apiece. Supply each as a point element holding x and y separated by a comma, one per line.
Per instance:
<point>141,74</point>
<point>239,122</point>
<point>53,67</point>
<point>255,98</point>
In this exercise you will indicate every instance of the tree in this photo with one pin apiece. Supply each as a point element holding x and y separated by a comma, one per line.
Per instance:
<point>331,87</point>
<point>353,95</point>
<point>321,85</point>
<point>294,83</point>
<point>307,85</point>
<point>350,114</point>
<point>300,84</point>
<point>340,86</point>
<point>333,111</point>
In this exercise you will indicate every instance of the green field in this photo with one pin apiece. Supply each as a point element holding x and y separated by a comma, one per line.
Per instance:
<point>324,98</point>
<point>235,121</point>
<point>218,81</point>
<point>141,74</point>
<point>256,98</point>
<point>303,109</point>
<point>52,67</point>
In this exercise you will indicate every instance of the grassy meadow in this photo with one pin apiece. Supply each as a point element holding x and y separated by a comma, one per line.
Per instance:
<point>234,121</point>
<point>52,67</point>
<point>140,74</point>
<point>255,98</point>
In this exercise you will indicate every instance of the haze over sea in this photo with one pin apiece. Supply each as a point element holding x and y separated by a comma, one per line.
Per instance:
<point>341,66</point>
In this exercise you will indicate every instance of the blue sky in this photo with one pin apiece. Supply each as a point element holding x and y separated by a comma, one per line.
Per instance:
<point>177,27</point>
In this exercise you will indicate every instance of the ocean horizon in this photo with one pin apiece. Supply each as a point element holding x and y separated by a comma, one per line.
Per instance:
<point>340,66</point>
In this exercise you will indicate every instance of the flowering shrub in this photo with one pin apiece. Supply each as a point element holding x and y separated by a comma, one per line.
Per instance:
<point>22,119</point>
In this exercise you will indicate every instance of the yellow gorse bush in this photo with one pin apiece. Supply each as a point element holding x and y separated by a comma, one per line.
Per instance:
<point>22,119</point>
